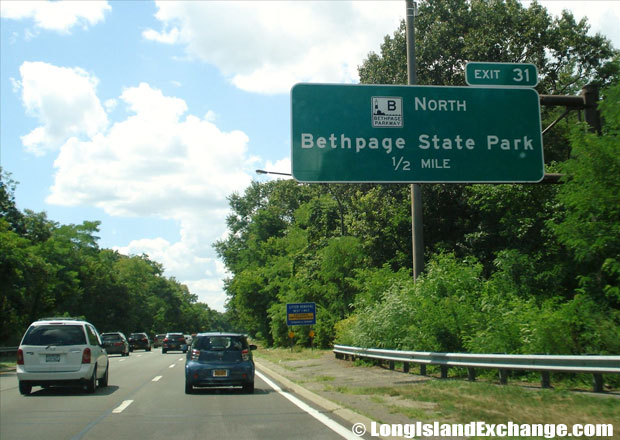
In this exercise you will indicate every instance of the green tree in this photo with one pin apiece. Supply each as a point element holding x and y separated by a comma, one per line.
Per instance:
<point>449,33</point>
<point>47,269</point>
<point>24,282</point>
<point>8,210</point>
<point>590,227</point>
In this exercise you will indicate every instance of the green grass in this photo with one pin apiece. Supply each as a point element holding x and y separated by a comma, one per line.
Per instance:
<point>7,365</point>
<point>456,401</point>
<point>324,378</point>
<point>278,355</point>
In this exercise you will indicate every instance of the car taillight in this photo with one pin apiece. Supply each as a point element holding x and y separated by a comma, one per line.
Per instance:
<point>143,339</point>
<point>245,355</point>
<point>195,354</point>
<point>166,339</point>
<point>20,357</point>
<point>86,356</point>
<point>118,344</point>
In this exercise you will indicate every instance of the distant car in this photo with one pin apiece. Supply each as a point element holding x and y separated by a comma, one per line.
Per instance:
<point>158,340</point>
<point>220,359</point>
<point>174,341</point>
<point>61,352</point>
<point>139,341</point>
<point>115,343</point>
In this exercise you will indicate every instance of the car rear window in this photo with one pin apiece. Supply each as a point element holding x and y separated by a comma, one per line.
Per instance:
<point>55,335</point>
<point>137,335</point>
<point>221,343</point>
<point>111,337</point>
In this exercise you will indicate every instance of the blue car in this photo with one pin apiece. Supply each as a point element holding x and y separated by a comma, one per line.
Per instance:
<point>219,360</point>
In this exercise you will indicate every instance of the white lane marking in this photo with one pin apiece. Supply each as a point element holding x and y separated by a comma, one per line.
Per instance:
<point>180,359</point>
<point>331,424</point>
<point>172,366</point>
<point>156,378</point>
<point>122,406</point>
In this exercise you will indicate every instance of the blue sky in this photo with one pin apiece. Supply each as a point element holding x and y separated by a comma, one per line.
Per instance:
<point>147,115</point>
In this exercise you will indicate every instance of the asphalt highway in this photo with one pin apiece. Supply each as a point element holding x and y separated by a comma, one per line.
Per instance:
<point>145,399</point>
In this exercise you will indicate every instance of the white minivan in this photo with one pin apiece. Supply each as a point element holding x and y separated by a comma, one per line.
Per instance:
<point>61,352</point>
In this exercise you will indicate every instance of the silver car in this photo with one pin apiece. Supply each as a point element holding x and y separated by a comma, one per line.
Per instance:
<point>61,352</point>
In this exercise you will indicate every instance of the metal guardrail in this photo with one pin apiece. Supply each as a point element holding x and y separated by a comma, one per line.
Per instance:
<point>545,364</point>
<point>8,350</point>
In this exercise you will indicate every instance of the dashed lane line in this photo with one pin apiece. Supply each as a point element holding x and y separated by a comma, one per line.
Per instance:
<point>119,409</point>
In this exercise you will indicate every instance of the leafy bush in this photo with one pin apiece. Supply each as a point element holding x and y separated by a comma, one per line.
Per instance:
<point>451,308</point>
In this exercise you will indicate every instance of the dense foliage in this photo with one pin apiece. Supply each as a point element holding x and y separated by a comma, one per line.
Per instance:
<point>510,268</point>
<point>47,269</point>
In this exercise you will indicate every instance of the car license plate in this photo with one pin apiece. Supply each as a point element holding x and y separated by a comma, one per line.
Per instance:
<point>220,373</point>
<point>52,358</point>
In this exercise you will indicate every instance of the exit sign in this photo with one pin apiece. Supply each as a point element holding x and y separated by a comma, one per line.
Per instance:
<point>501,74</point>
<point>415,134</point>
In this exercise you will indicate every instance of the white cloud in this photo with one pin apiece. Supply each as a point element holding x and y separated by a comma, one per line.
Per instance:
<point>267,47</point>
<point>166,37</point>
<point>110,105</point>
<point>603,15</point>
<point>209,292</point>
<point>210,116</point>
<point>64,101</point>
<point>59,16</point>
<point>158,162</point>
<point>155,162</point>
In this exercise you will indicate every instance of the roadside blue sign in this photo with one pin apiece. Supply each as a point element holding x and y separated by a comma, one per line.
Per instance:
<point>301,314</point>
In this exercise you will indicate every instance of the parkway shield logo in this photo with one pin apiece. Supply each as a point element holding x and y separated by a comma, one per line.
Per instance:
<point>387,111</point>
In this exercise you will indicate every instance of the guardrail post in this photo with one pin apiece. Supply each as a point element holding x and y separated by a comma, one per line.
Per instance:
<point>471,374</point>
<point>503,377</point>
<point>405,367</point>
<point>545,380</point>
<point>597,384</point>
<point>444,371</point>
<point>391,365</point>
<point>422,369</point>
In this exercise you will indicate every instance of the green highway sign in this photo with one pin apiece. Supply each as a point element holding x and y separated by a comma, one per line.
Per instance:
<point>415,134</point>
<point>501,74</point>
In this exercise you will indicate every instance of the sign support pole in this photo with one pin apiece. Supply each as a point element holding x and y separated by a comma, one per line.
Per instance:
<point>417,237</point>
